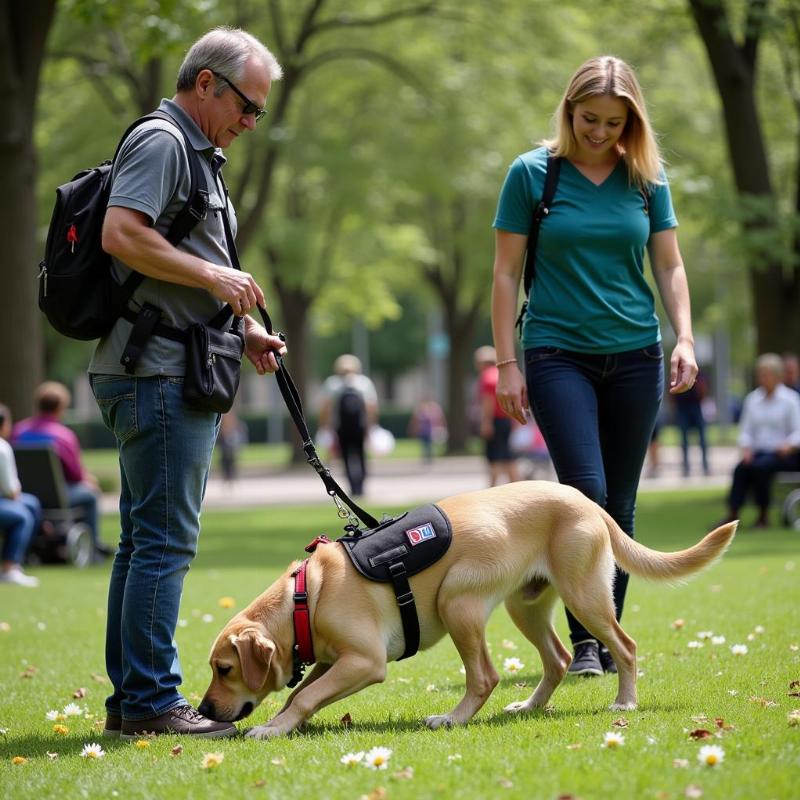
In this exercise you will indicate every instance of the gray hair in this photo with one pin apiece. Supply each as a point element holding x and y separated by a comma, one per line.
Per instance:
<point>770,361</point>
<point>226,51</point>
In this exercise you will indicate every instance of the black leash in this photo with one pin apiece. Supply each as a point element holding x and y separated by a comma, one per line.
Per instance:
<point>292,399</point>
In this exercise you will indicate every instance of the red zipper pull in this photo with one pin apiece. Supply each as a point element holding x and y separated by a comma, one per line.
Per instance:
<point>72,237</point>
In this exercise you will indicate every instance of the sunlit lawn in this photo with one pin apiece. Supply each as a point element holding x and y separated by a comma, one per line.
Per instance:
<point>51,645</point>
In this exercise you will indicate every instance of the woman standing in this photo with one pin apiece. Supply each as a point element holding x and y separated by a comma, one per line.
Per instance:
<point>594,371</point>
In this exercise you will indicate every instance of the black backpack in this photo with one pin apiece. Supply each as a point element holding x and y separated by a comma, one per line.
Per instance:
<point>77,290</point>
<point>352,412</point>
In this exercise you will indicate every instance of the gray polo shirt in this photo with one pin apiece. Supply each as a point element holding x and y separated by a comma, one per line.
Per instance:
<point>151,175</point>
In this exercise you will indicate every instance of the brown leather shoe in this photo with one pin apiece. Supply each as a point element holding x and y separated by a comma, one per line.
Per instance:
<point>183,720</point>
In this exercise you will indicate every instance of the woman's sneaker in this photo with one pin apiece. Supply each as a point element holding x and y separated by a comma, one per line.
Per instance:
<point>586,660</point>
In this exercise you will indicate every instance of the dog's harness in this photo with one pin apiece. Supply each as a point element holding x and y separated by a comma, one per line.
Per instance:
<point>389,553</point>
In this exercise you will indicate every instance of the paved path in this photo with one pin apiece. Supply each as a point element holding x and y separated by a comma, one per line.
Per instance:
<point>405,482</point>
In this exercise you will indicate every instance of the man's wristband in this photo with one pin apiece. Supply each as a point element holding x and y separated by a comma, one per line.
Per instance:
<point>507,361</point>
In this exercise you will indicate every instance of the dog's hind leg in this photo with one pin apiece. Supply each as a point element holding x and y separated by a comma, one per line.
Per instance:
<point>591,602</point>
<point>535,621</point>
<point>465,619</point>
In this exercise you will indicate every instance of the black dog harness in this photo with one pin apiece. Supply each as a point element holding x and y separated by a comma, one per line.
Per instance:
<point>390,553</point>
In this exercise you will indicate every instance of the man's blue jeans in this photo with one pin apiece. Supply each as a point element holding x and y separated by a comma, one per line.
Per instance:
<point>164,455</point>
<point>19,518</point>
<point>596,413</point>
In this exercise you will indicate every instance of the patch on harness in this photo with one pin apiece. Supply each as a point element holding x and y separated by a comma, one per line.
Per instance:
<point>421,534</point>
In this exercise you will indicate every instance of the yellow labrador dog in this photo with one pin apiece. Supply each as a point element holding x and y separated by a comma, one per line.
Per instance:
<point>523,543</point>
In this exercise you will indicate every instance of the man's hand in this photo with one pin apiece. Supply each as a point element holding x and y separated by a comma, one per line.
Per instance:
<point>260,347</point>
<point>238,289</point>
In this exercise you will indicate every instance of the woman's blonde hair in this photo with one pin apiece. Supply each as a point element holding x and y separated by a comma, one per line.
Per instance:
<point>607,75</point>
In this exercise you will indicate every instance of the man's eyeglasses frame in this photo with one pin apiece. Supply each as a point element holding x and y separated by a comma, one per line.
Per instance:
<point>249,106</point>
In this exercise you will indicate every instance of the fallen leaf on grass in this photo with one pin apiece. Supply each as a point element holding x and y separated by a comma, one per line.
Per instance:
<point>678,624</point>
<point>763,702</point>
<point>700,733</point>
<point>99,678</point>
<point>29,671</point>
<point>506,783</point>
<point>346,720</point>
<point>79,693</point>
<point>793,718</point>
<point>260,783</point>
<point>378,793</point>
<point>699,719</point>
<point>176,751</point>
<point>620,723</point>
<point>576,746</point>
<point>680,763</point>
<point>693,790</point>
<point>722,725</point>
<point>405,774</point>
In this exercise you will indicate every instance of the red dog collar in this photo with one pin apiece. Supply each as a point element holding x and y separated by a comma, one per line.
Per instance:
<point>303,652</point>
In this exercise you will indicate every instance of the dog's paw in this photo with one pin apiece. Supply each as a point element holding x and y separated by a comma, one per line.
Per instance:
<point>521,707</point>
<point>263,732</point>
<point>439,721</point>
<point>622,707</point>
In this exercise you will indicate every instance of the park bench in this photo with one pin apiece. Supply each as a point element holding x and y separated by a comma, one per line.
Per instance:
<point>64,535</point>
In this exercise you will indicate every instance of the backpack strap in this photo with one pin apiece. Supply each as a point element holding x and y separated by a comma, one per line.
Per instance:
<point>541,211</point>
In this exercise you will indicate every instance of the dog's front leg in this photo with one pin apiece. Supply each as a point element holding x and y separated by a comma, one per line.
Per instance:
<point>318,671</point>
<point>349,674</point>
<point>465,618</point>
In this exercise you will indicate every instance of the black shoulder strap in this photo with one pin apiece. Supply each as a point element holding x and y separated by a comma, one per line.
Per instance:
<point>542,210</point>
<point>196,206</point>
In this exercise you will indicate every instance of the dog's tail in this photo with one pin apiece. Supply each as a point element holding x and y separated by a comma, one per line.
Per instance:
<point>655,565</point>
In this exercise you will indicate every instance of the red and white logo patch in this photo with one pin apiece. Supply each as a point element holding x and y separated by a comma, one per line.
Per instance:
<point>421,534</point>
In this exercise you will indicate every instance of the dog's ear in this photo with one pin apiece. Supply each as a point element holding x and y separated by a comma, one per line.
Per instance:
<point>255,654</point>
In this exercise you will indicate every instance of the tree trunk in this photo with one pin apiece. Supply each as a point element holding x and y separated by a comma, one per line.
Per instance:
<point>775,287</point>
<point>23,32</point>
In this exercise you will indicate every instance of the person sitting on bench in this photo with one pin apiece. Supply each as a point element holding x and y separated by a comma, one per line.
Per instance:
<point>20,513</point>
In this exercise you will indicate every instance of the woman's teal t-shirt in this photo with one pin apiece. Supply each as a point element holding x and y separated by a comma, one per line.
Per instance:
<point>589,293</point>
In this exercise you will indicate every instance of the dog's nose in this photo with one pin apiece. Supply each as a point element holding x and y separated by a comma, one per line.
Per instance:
<point>207,709</point>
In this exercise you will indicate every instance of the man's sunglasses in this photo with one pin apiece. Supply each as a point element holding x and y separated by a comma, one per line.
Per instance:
<point>249,106</point>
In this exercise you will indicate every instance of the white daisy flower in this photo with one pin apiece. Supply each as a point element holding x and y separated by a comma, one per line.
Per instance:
<point>453,757</point>
<point>759,629</point>
<point>182,623</point>
<point>739,649</point>
<point>92,750</point>
<point>207,618</point>
<point>212,760</point>
<point>694,645</point>
<point>751,637</point>
<point>705,634</point>
<point>512,665</point>
<point>711,755</point>
<point>718,640</point>
<point>72,710</point>
<point>377,758</point>
<point>53,716</point>
<point>613,739</point>
<point>351,759</point>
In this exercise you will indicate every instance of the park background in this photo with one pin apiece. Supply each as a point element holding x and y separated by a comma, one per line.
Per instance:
<point>365,200</point>
<point>366,196</point>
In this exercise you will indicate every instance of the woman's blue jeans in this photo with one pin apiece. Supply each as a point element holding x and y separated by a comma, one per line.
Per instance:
<point>596,413</point>
<point>164,456</point>
<point>19,518</point>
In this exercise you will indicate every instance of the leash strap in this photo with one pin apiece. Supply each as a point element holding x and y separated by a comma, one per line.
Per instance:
<point>303,651</point>
<point>292,399</point>
<point>407,606</point>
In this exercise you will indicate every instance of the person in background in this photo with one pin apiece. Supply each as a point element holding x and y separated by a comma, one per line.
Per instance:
<point>232,435</point>
<point>689,413</point>
<point>494,424</point>
<point>791,371</point>
<point>51,399</point>
<point>20,513</point>
<point>769,438</point>
<point>594,371</point>
<point>428,425</point>
<point>350,408</point>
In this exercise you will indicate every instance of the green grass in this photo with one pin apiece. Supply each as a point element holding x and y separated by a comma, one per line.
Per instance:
<point>58,629</point>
